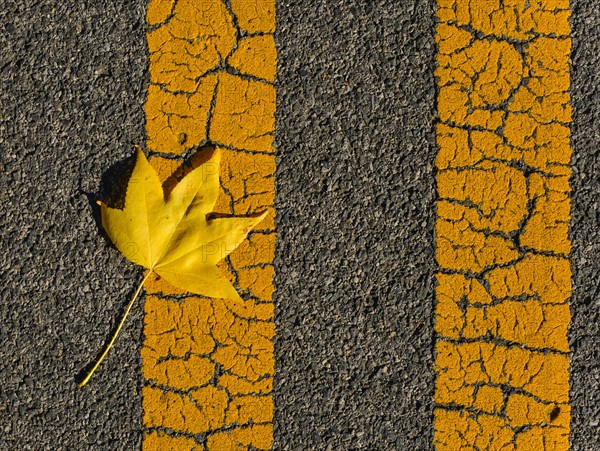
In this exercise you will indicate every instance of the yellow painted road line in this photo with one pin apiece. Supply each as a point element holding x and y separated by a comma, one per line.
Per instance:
<point>208,364</point>
<point>503,212</point>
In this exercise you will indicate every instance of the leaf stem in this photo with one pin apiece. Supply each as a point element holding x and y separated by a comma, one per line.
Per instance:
<point>114,337</point>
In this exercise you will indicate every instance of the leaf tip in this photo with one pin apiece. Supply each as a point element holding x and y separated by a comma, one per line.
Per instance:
<point>139,152</point>
<point>262,216</point>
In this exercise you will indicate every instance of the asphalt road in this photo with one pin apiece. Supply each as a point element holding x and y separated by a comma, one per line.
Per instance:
<point>355,202</point>
<point>355,199</point>
<point>585,228</point>
<point>72,91</point>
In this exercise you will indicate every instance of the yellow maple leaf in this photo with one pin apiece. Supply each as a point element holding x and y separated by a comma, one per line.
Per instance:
<point>171,236</point>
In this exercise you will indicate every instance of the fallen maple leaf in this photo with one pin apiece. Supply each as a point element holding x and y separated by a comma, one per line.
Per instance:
<point>172,236</point>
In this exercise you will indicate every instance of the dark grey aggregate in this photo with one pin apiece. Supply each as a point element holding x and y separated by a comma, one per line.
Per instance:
<point>585,226</point>
<point>355,206</point>
<point>72,90</point>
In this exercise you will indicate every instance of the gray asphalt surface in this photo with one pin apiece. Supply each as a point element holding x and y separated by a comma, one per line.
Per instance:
<point>356,111</point>
<point>355,201</point>
<point>585,227</point>
<point>72,91</point>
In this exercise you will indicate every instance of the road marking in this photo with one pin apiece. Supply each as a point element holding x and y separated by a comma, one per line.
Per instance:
<point>208,364</point>
<point>503,212</point>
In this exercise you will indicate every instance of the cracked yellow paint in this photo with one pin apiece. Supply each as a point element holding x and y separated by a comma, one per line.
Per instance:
<point>208,364</point>
<point>255,16</point>
<point>503,212</point>
<point>256,55</point>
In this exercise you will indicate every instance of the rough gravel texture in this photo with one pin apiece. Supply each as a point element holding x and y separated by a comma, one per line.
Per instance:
<point>585,229</point>
<point>72,90</point>
<point>355,199</point>
<point>355,203</point>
